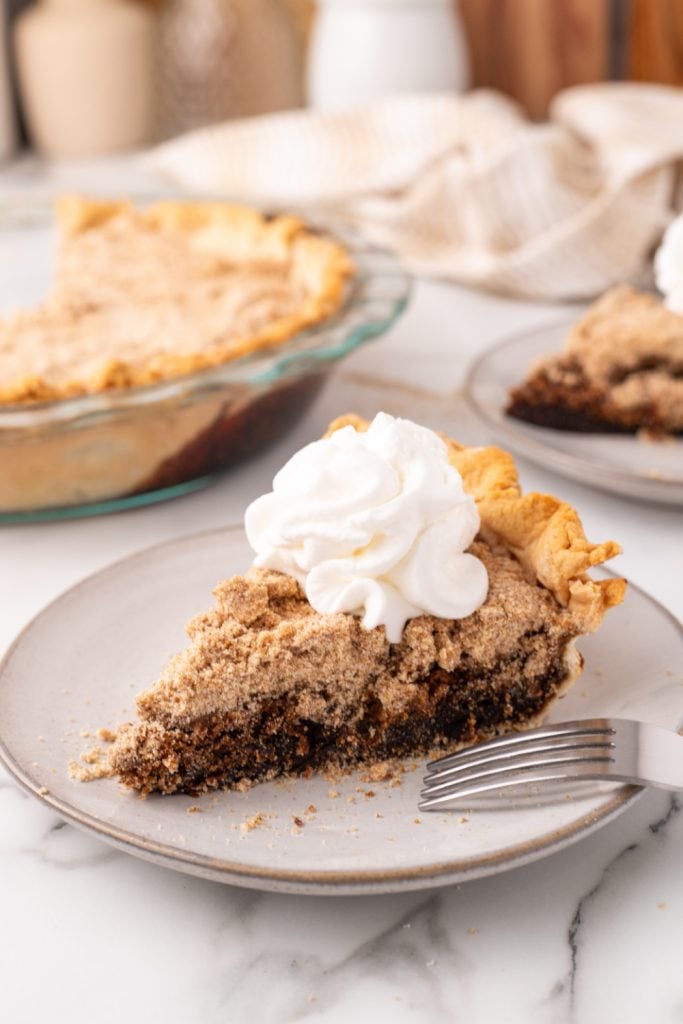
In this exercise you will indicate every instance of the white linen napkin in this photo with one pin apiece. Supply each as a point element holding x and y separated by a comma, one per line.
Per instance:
<point>465,187</point>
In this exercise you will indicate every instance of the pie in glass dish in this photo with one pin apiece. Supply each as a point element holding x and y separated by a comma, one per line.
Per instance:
<point>143,295</point>
<point>620,371</point>
<point>176,339</point>
<point>455,622</point>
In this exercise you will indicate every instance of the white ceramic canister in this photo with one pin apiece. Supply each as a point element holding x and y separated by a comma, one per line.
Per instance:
<point>86,75</point>
<point>362,50</point>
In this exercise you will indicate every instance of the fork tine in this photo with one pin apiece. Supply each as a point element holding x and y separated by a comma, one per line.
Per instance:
<point>519,765</point>
<point>593,726</point>
<point>506,755</point>
<point>618,750</point>
<point>556,773</point>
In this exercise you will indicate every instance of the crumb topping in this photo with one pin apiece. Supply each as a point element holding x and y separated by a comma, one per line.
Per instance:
<point>140,296</point>
<point>263,638</point>
<point>630,346</point>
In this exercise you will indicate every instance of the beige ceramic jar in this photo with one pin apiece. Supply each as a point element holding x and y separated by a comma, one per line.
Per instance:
<point>86,75</point>
<point>7,126</point>
<point>226,58</point>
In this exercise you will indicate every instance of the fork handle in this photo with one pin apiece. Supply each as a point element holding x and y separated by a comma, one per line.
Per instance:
<point>655,757</point>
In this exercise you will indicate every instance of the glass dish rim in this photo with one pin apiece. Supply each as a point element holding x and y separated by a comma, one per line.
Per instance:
<point>320,343</point>
<point>534,448</point>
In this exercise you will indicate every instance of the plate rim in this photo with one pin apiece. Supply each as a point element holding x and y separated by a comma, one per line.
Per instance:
<point>344,882</point>
<point>532,448</point>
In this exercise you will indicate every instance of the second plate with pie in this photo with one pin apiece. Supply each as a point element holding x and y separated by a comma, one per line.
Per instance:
<point>622,464</point>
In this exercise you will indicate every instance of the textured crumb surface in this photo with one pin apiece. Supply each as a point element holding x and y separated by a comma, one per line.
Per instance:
<point>268,686</point>
<point>89,768</point>
<point>143,295</point>
<point>263,639</point>
<point>621,370</point>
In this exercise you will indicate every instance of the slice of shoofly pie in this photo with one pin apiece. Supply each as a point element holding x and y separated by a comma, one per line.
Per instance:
<point>620,371</point>
<point>405,597</point>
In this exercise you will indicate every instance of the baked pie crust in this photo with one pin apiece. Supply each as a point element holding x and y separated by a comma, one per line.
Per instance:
<point>142,295</point>
<point>268,686</point>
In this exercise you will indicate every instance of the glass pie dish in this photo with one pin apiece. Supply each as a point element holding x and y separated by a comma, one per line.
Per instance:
<point>133,446</point>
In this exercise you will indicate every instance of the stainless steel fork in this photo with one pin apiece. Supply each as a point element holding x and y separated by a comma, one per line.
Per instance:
<point>597,748</point>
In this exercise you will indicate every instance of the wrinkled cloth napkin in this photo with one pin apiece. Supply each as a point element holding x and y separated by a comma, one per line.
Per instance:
<point>465,187</point>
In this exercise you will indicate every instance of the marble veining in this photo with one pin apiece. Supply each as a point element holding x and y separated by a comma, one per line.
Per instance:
<point>573,936</point>
<point>673,809</point>
<point>619,865</point>
<point>516,947</point>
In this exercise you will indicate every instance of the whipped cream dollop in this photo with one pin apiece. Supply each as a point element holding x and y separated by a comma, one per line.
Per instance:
<point>376,524</point>
<point>669,266</point>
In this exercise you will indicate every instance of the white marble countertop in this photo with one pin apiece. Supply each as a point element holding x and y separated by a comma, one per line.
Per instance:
<point>593,933</point>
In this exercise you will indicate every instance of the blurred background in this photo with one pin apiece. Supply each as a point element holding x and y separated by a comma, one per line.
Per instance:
<point>82,77</point>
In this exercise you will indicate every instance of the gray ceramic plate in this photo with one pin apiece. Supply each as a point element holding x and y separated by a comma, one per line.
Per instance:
<point>79,664</point>
<point>650,470</point>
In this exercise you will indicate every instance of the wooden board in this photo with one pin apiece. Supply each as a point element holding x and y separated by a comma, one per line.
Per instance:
<point>654,41</point>
<point>531,49</point>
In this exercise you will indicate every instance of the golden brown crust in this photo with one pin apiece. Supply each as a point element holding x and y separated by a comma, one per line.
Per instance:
<point>230,235</point>
<point>545,534</point>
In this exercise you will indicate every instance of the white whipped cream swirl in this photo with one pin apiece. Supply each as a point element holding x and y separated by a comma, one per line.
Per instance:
<point>375,524</point>
<point>669,266</point>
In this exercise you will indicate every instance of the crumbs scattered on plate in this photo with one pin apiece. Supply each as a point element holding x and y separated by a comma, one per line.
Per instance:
<point>255,821</point>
